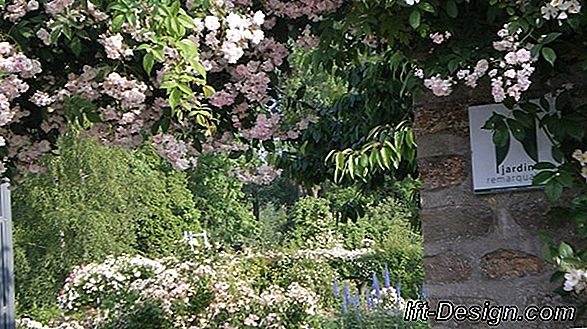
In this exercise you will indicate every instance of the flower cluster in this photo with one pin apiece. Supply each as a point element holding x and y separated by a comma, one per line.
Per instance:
<point>262,175</point>
<point>88,284</point>
<point>560,9</point>
<point>26,323</point>
<point>439,86</point>
<point>175,151</point>
<point>336,253</point>
<point>575,280</point>
<point>510,75</point>
<point>582,158</point>
<point>313,9</point>
<point>223,294</point>
<point>439,38</point>
<point>16,67</point>
<point>241,31</point>
<point>114,46</point>
<point>130,93</point>
<point>17,9</point>
<point>265,127</point>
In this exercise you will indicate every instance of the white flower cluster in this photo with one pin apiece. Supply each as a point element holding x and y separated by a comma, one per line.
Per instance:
<point>439,38</point>
<point>222,283</point>
<point>582,158</point>
<point>512,75</point>
<point>57,6</point>
<point>114,275</point>
<point>178,153</point>
<point>389,301</point>
<point>338,252</point>
<point>130,93</point>
<point>26,323</point>
<point>575,280</point>
<point>15,67</point>
<point>439,86</point>
<point>560,9</point>
<point>114,46</point>
<point>240,31</point>
<point>18,8</point>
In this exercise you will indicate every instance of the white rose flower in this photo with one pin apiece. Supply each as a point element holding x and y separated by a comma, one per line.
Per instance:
<point>212,23</point>
<point>259,18</point>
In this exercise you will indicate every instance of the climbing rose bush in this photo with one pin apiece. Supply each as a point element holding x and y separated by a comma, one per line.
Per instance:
<point>183,74</point>
<point>205,293</point>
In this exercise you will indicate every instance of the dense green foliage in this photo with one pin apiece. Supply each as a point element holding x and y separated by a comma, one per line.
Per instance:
<point>94,201</point>
<point>219,195</point>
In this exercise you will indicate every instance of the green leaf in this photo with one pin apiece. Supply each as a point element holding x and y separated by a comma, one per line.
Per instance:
<point>415,19</point>
<point>565,250</point>
<point>426,7</point>
<point>158,54</point>
<point>208,91</point>
<point>549,55</point>
<point>530,108</point>
<point>185,88</point>
<point>186,21</point>
<point>451,9</point>
<point>553,190</point>
<point>551,37</point>
<point>544,166</point>
<point>117,22</point>
<point>148,62</point>
<point>373,159</point>
<point>523,118</point>
<point>76,46</point>
<point>535,50</point>
<point>542,177</point>
<point>175,98</point>
<point>501,137</point>
<point>530,142</point>
<point>339,161</point>
<point>386,157</point>
<point>67,32</point>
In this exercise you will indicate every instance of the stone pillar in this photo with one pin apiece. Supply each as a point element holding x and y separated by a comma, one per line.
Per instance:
<point>477,248</point>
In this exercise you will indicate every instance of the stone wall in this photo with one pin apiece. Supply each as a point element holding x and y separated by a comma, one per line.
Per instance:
<point>477,247</point>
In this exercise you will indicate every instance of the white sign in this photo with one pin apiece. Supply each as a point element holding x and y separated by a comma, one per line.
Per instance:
<point>516,169</point>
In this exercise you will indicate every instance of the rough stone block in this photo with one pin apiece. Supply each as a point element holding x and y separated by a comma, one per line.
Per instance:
<point>447,267</point>
<point>454,120</point>
<point>442,144</point>
<point>456,222</point>
<point>444,171</point>
<point>504,264</point>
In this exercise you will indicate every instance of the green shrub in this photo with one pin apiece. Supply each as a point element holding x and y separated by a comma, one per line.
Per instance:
<point>168,205</point>
<point>93,201</point>
<point>226,212</point>
<point>311,224</point>
<point>273,223</point>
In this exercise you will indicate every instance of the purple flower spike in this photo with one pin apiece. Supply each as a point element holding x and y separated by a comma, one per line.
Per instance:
<point>398,289</point>
<point>346,292</point>
<point>386,281</point>
<point>356,301</point>
<point>376,286</point>
<point>336,288</point>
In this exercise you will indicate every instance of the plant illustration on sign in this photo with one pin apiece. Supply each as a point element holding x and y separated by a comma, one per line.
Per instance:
<point>522,126</point>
